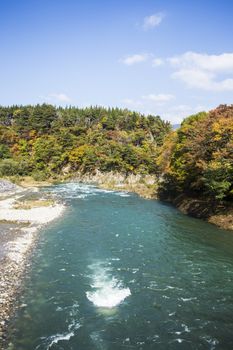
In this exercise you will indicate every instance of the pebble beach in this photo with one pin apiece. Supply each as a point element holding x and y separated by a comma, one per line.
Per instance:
<point>19,227</point>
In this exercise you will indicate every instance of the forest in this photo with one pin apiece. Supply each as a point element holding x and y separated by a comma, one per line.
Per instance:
<point>197,159</point>
<point>48,142</point>
<point>43,140</point>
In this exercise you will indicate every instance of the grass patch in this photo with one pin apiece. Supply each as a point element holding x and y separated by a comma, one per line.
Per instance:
<point>29,204</point>
<point>14,222</point>
<point>28,181</point>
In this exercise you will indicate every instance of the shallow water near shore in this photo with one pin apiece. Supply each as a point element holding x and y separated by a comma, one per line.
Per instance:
<point>120,272</point>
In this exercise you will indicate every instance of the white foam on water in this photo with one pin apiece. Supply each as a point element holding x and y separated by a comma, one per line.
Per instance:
<point>123,194</point>
<point>186,329</point>
<point>59,337</point>
<point>56,338</point>
<point>212,341</point>
<point>171,314</point>
<point>108,292</point>
<point>135,270</point>
<point>82,196</point>
<point>188,299</point>
<point>59,308</point>
<point>170,287</point>
<point>77,190</point>
<point>73,190</point>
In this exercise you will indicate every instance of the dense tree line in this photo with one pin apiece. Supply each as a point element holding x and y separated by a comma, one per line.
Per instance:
<point>197,159</point>
<point>43,140</point>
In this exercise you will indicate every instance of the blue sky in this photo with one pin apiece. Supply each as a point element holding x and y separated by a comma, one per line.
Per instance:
<point>166,57</point>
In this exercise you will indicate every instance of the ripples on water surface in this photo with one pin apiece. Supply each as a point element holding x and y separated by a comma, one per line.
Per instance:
<point>120,272</point>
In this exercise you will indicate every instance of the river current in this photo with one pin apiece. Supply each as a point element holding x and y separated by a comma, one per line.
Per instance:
<point>120,272</point>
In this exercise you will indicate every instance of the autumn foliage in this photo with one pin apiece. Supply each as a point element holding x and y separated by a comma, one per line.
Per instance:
<point>43,140</point>
<point>197,159</point>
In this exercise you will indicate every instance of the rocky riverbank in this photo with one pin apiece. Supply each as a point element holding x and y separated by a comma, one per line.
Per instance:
<point>219,214</point>
<point>22,214</point>
<point>144,185</point>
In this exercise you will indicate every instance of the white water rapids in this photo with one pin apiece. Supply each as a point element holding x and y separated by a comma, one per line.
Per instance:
<point>107,291</point>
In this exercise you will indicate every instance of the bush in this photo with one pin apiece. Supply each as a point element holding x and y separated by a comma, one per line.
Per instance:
<point>39,175</point>
<point>4,151</point>
<point>8,167</point>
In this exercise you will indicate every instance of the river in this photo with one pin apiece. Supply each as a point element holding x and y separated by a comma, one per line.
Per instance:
<point>120,272</point>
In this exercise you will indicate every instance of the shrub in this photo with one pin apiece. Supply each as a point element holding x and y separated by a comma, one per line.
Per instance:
<point>8,167</point>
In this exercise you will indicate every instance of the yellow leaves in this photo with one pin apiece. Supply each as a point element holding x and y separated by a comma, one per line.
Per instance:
<point>17,112</point>
<point>77,154</point>
<point>166,151</point>
<point>216,127</point>
<point>214,165</point>
<point>32,134</point>
<point>222,127</point>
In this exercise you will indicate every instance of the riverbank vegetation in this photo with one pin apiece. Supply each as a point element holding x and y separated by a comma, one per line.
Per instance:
<point>198,158</point>
<point>196,165</point>
<point>192,166</point>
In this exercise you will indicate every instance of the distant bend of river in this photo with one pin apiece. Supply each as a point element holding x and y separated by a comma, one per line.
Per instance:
<point>120,272</point>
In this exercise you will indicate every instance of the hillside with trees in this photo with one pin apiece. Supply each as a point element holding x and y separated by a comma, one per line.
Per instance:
<point>196,161</point>
<point>42,141</point>
<point>192,166</point>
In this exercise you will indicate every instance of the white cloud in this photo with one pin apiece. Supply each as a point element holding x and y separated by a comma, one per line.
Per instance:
<point>212,63</point>
<point>61,97</point>
<point>174,113</point>
<point>156,62</point>
<point>133,59</point>
<point>159,98</point>
<point>148,102</point>
<point>197,78</point>
<point>204,71</point>
<point>194,77</point>
<point>54,97</point>
<point>153,20</point>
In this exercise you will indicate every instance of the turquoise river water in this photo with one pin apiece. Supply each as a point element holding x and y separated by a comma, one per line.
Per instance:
<point>120,272</point>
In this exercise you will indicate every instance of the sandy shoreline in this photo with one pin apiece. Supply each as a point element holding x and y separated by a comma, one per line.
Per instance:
<point>19,231</point>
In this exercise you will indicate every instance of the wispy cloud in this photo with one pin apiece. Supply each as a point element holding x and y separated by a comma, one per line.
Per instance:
<point>203,71</point>
<point>152,21</point>
<point>159,98</point>
<point>144,57</point>
<point>56,97</point>
<point>162,104</point>
<point>61,97</point>
<point>156,62</point>
<point>212,63</point>
<point>147,103</point>
<point>133,59</point>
